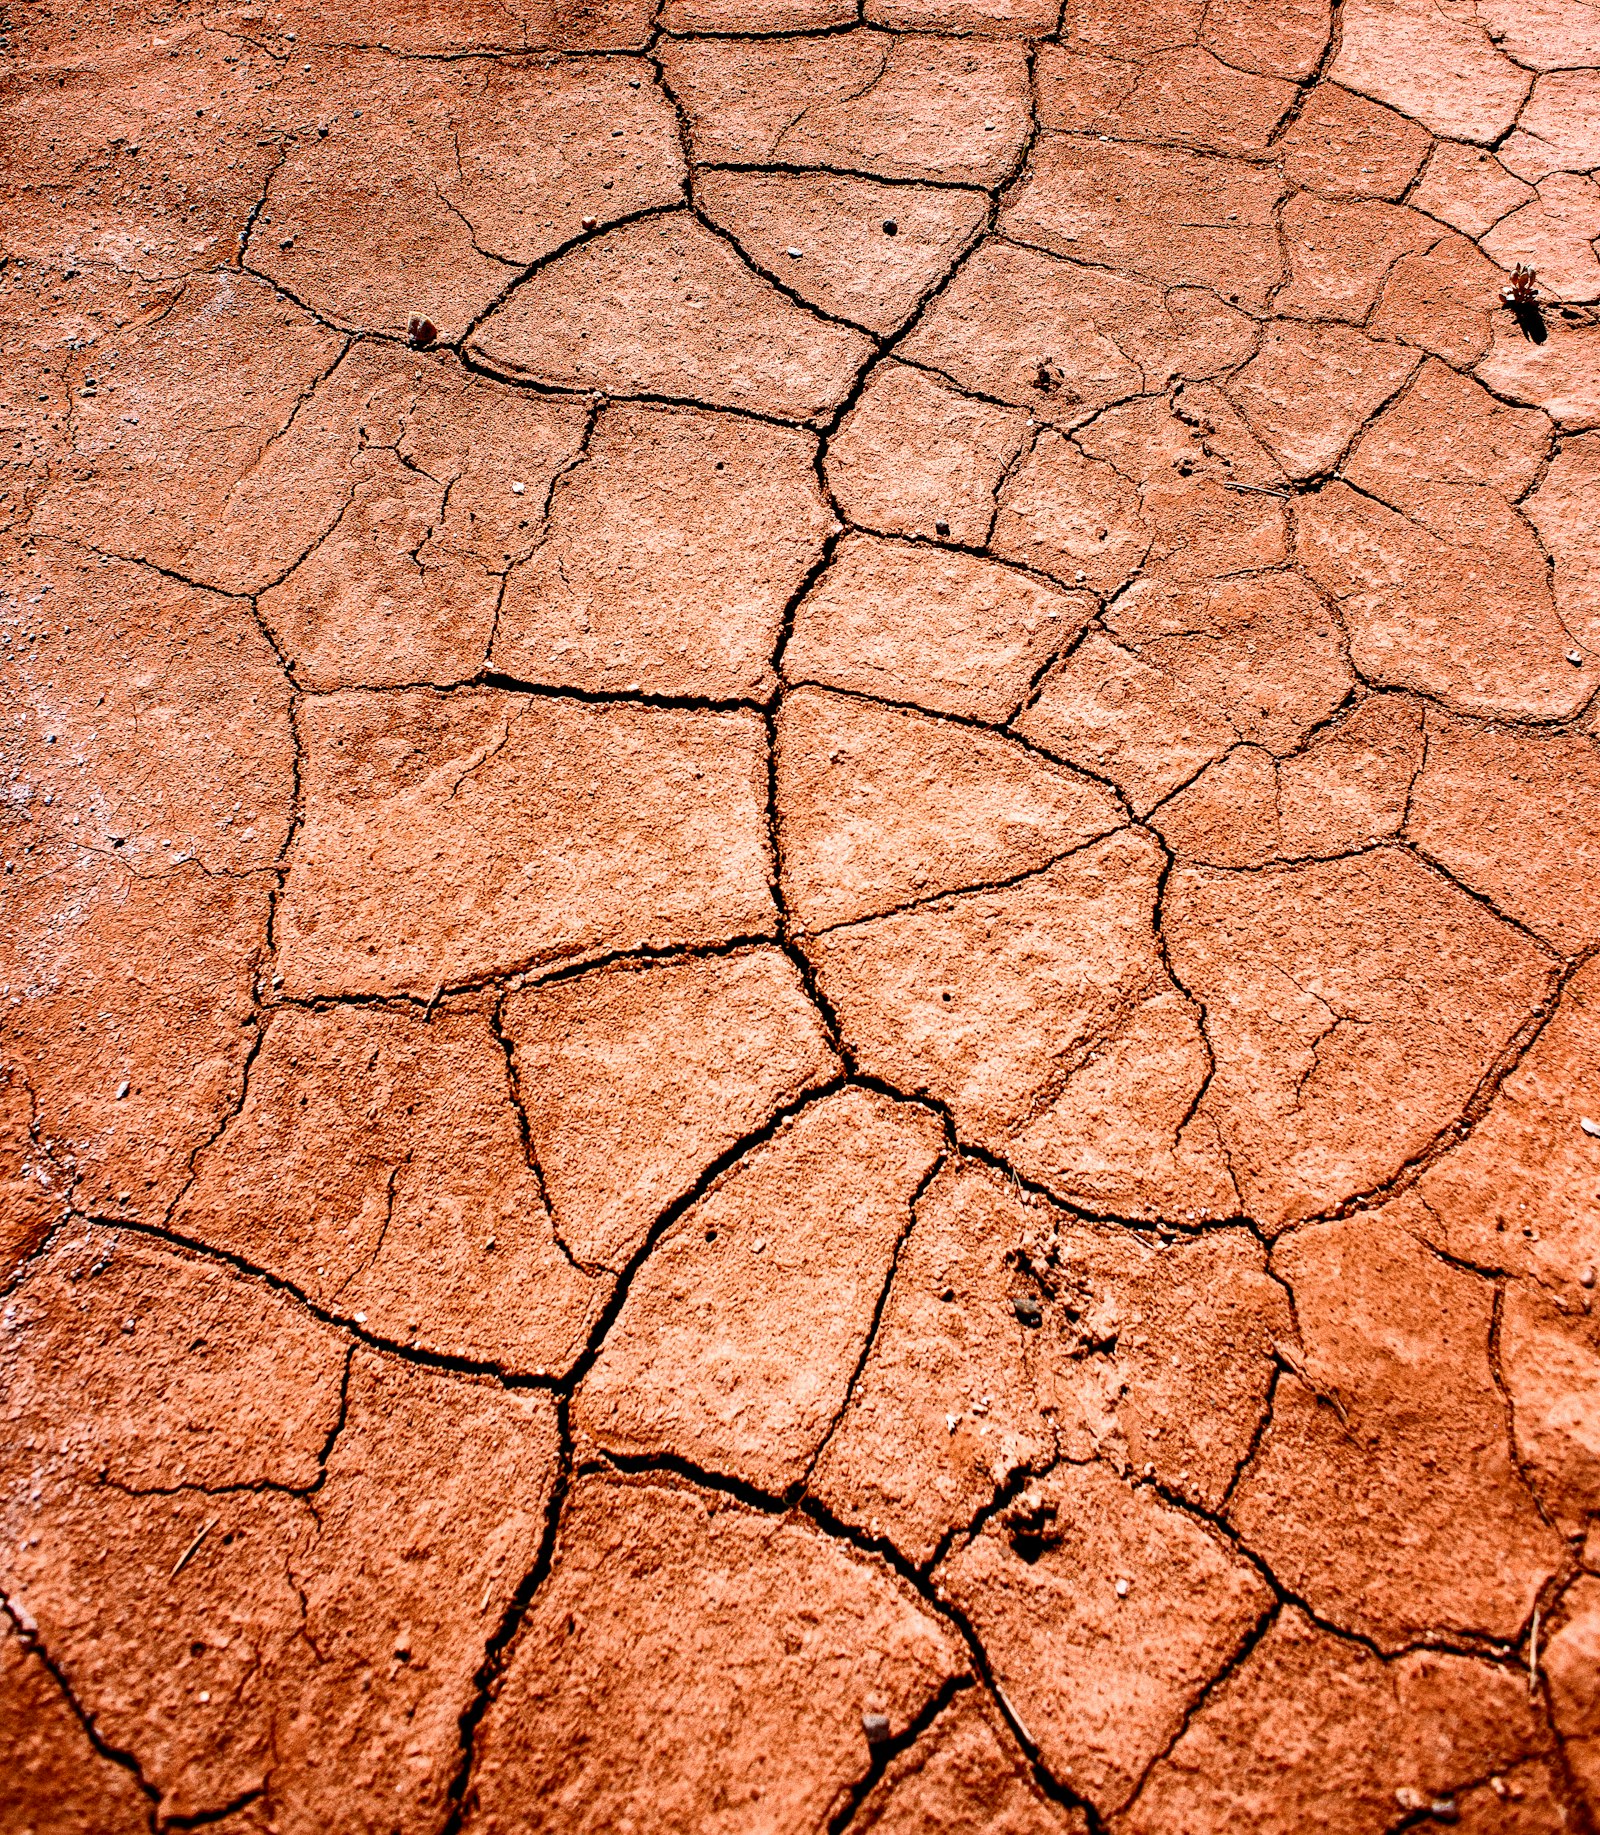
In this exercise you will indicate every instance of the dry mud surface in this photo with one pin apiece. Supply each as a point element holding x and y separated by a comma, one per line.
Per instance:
<point>801,1032</point>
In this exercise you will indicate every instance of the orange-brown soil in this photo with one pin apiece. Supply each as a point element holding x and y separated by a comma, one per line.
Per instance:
<point>800,934</point>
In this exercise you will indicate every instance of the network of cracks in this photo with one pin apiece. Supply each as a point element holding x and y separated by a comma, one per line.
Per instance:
<point>797,1008</point>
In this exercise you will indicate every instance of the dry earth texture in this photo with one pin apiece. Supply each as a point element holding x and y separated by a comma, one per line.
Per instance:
<point>800,939</point>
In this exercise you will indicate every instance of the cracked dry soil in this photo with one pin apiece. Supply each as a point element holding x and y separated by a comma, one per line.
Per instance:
<point>809,1038</point>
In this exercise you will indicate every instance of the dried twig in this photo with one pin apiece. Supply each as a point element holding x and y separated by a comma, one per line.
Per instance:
<point>183,1559</point>
<point>1290,1362</point>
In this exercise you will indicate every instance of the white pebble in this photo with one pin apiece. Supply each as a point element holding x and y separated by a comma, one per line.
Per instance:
<point>1575,657</point>
<point>1590,1127</point>
<point>795,253</point>
<point>518,489</point>
<point>122,1090</point>
<point>360,1318</point>
<point>1122,1589</point>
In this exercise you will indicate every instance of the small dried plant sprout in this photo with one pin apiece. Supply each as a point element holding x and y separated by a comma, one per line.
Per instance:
<point>1526,303</point>
<point>1524,287</point>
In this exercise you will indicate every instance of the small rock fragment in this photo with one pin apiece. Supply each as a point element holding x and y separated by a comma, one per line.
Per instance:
<point>421,333</point>
<point>876,1728</point>
<point>1418,1802</point>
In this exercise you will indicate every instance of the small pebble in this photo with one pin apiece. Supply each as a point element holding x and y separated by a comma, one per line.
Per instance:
<point>758,1245</point>
<point>591,223</point>
<point>360,1318</point>
<point>876,1728</point>
<point>518,489</point>
<point>1441,1809</point>
<point>1575,657</point>
<point>1589,1127</point>
<point>1586,1279</point>
<point>122,1090</point>
<point>941,528</point>
<point>890,227</point>
<point>1122,1589</point>
<point>795,253</point>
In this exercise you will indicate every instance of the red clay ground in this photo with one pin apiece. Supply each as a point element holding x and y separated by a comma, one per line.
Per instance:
<point>810,1038</point>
